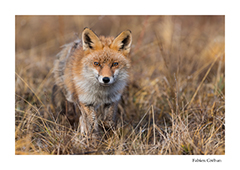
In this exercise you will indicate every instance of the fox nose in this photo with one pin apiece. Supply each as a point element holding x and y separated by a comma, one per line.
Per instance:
<point>106,79</point>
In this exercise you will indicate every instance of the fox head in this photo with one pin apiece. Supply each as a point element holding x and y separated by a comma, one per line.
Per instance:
<point>106,59</point>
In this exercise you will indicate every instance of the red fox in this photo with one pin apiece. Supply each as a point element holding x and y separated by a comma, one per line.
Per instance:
<point>90,73</point>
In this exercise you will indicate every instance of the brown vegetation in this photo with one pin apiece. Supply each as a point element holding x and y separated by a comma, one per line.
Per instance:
<point>174,103</point>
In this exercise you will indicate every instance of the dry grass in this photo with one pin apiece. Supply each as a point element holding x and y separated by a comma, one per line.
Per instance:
<point>174,103</point>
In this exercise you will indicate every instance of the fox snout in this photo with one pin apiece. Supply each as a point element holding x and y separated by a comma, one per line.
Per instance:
<point>106,75</point>
<point>106,80</point>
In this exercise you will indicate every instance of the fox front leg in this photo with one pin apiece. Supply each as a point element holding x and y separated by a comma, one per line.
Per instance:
<point>88,121</point>
<point>110,115</point>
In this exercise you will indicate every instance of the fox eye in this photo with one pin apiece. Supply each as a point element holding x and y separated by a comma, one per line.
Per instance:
<point>115,64</point>
<point>96,64</point>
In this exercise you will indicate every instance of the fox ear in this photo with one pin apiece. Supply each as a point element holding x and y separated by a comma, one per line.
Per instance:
<point>123,42</point>
<point>90,40</point>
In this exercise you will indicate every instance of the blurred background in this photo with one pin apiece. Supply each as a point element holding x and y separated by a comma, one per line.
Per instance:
<point>178,62</point>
